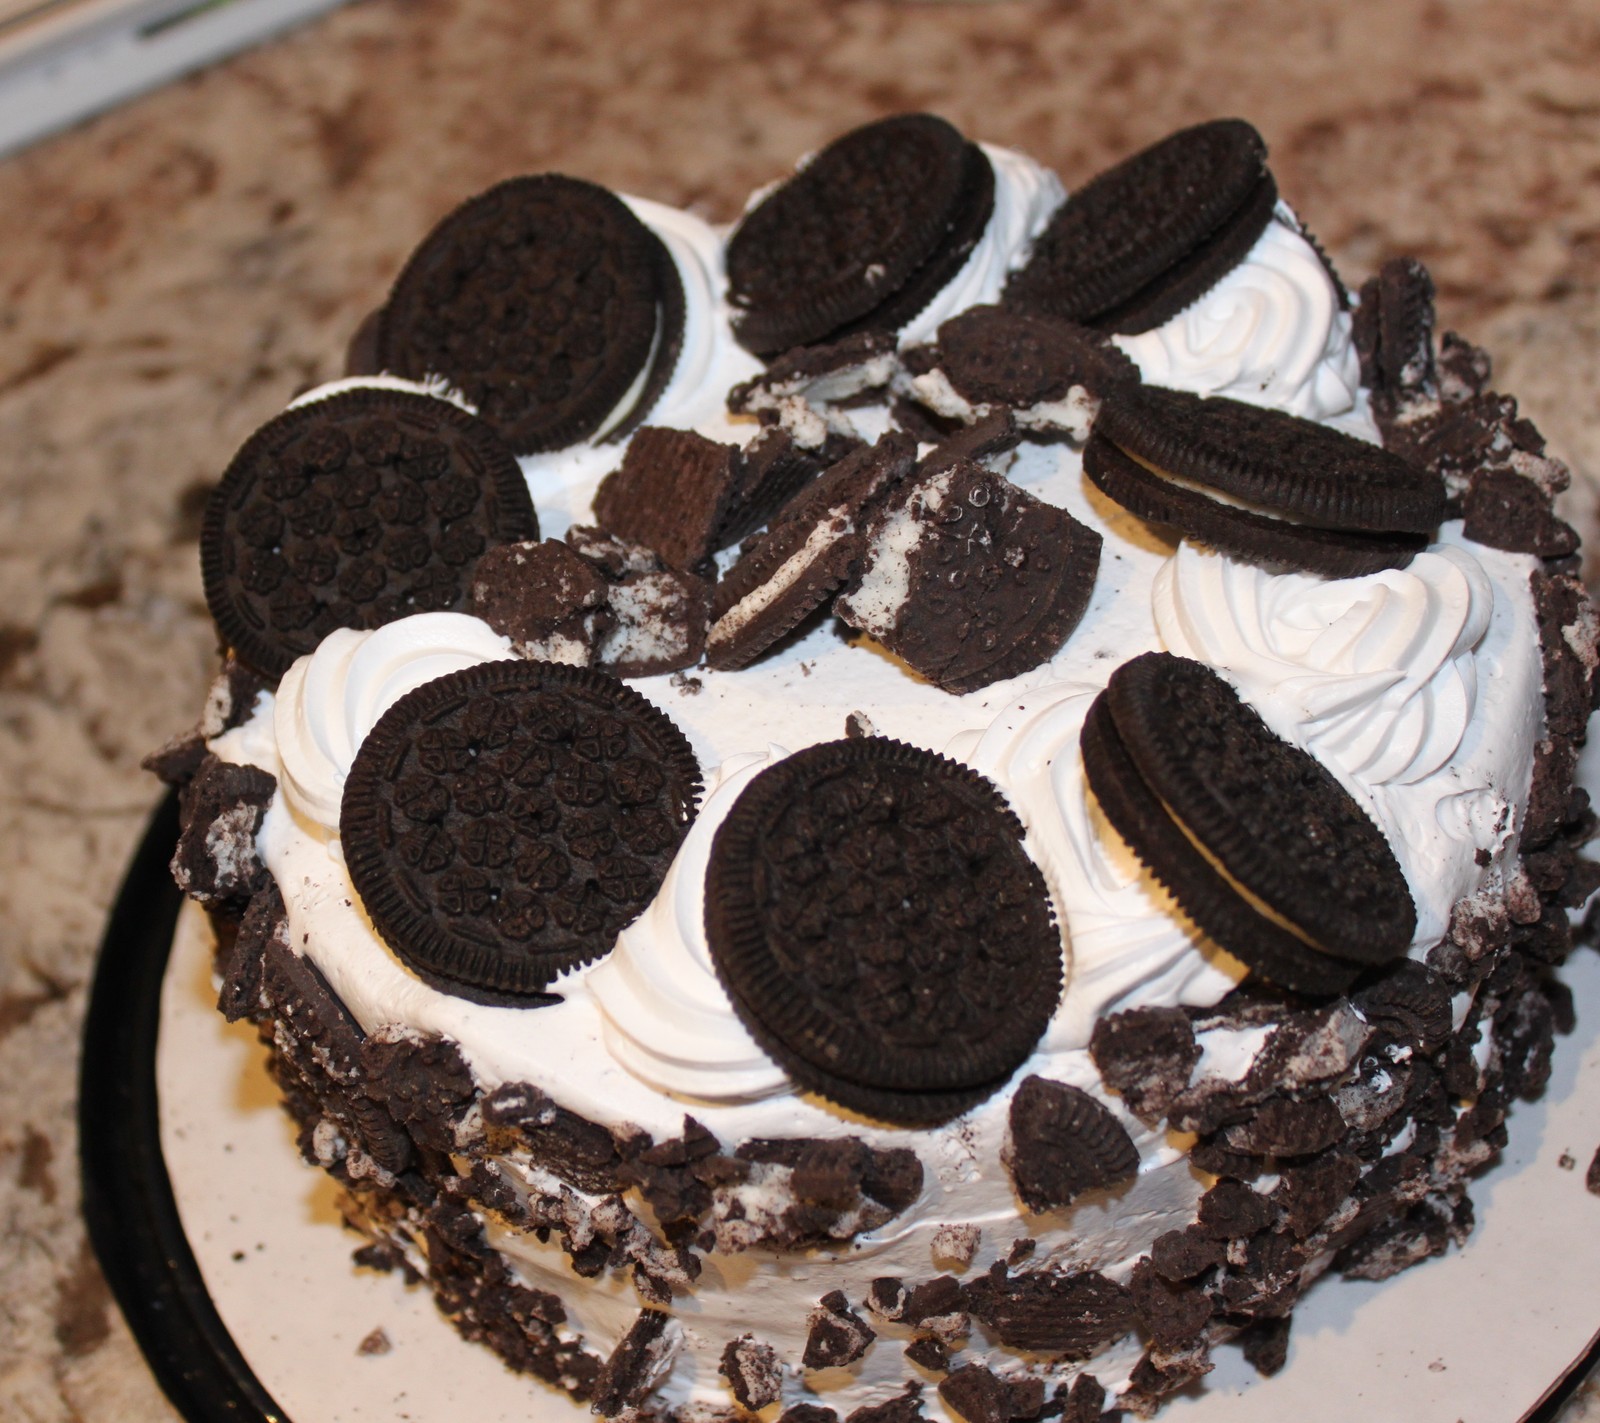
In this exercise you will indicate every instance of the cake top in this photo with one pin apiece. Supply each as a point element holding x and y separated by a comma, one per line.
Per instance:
<point>908,459</point>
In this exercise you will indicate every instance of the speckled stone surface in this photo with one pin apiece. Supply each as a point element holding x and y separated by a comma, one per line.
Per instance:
<point>171,273</point>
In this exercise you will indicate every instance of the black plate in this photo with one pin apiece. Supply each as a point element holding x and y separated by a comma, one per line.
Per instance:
<point>127,1199</point>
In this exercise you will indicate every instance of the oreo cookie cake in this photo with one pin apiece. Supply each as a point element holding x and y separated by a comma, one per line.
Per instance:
<point>925,807</point>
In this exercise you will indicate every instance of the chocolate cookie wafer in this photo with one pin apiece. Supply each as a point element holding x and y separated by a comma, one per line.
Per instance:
<point>808,552</point>
<point>880,929</point>
<point>1144,239</point>
<point>1261,847</point>
<point>970,579</point>
<point>863,235</point>
<point>548,303</point>
<point>351,512</point>
<point>1261,484</point>
<point>503,823</point>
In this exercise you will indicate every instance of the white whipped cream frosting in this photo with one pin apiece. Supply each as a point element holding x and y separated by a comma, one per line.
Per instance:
<point>667,1017</point>
<point>1381,672</point>
<point>1026,195</point>
<point>1271,332</point>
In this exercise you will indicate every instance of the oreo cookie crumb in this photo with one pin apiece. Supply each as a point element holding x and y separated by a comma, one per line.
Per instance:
<point>1173,1314</point>
<point>1062,1143</point>
<point>752,1371</point>
<point>1591,1178</point>
<point>1183,1254</point>
<point>836,1335</point>
<point>265,921</point>
<point>1230,1211</point>
<point>929,1353</point>
<point>956,1243</point>
<point>904,1407</point>
<point>374,1344</point>
<point>518,1116</point>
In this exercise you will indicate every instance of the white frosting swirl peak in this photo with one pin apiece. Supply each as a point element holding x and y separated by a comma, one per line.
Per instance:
<point>1271,332</point>
<point>329,701</point>
<point>1376,675</point>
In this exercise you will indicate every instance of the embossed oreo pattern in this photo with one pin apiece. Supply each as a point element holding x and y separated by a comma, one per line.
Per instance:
<point>503,823</point>
<point>352,512</point>
<point>880,929</point>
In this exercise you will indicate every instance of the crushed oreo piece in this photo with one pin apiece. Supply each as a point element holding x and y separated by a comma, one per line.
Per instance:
<point>1173,1314</point>
<point>981,1396</point>
<point>670,494</point>
<point>1182,1254</point>
<point>265,921</point>
<point>1265,1343</point>
<point>504,822</point>
<point>801,391</point>
<point>1410,1004</point>
<point>547,600</point>
<point>1068,1316</point>
<point>1062,1143</point>
<point>836,1335</point>
<point>960,965</point>
<point>656,617</point>
<point>904,1407</point>
<point>544,301</point>
<point>1288,1128</point>
<point>677,1177</point>
<point>351,512</point>
<point>956,1243</point>
<point>1146,1054</point>
<point>1591,1177</point>
<point>773,470</point>
<point>1048,373</point>
<point>1393,331</point>
<point>752,1371</point>
<point>518,1116</point>
<point>929,1353</point>
<point>812,546</point>
<point>424,1082</point>
<point>1231,1211</point>
<point>220,810</point>
<point>641,1359</point>
<point>1309,1194</point>
<point>970,579</point>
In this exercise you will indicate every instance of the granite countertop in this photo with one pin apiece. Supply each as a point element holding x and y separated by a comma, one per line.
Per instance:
<point>172,272</point>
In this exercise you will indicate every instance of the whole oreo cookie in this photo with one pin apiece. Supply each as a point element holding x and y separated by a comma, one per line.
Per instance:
<point>1142,240</point>
<point>880,929</point>
<point>1253,837</point>
<point>503,823</point>
<point>544,300</point>
<point>351,512</point>
<point>1262,484</point>
<point>862,235</point>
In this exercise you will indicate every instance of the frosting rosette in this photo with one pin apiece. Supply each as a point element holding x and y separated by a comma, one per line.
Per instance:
<point>1376,675</point>
<point>1272,332</point>
<point>328,702</point>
